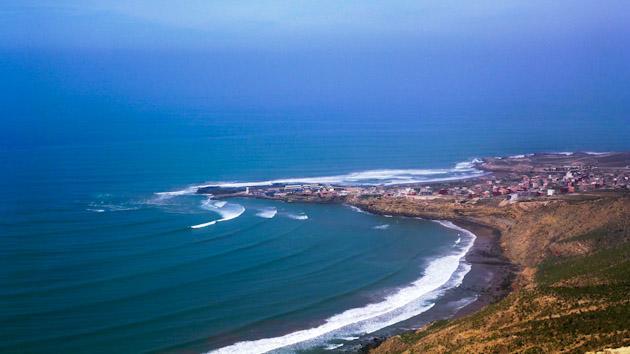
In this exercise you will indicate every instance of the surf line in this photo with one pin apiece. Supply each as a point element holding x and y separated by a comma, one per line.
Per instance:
<point>442,273</point>
<point>226,210</point>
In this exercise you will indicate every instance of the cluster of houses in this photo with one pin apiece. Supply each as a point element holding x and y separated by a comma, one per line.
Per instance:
<point>507,186</point>
<point>514,186</point>
<point>300,190</point>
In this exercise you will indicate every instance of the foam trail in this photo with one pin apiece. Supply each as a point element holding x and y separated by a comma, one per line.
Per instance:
<point>349,338</point>
<point>228,211</point>
<point>595,153</point>
<point>103,207</point>
<point>204,224</point>
<point>565,153</point>
<point>467,165</point>
<point>409,301</point>
<point>381,227</point>
<point>188,191</point>
<point>267,213</point>
<point>219,203</point>
<point>383,177</point>
<point>357,209</point>
<point>297,216</point>
<point>333,346</point>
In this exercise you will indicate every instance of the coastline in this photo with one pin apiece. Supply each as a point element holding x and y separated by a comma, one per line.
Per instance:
<point>516,226</point>
<point>491,273</point>
<point>488,280</point>
<point>565,253</point>
<point>442,302</point>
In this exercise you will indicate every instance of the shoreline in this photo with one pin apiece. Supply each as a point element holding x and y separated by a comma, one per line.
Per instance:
<point>516,191</point>
<point>490,279</point>
<point>486,281</point>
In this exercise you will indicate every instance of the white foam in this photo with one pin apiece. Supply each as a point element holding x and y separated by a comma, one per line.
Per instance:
<point>199,226</point>
<point>187,191</point>
<point>267,213</point>
<point>100,207</point>
<point>384,177</point>
<point>519,156</point>
<point>297,216</point>
<point>565,153</point>
<point>219,203</point>
<point>381,227</point>
<point>333,346</point>
<point>458,241</point>
<point>387,216</point>
<point>467,165</point>
<point>404,303</point>
<point>357,209</point>
<point>595,153</point>
<point>349,338</point>
<point>228,211</point>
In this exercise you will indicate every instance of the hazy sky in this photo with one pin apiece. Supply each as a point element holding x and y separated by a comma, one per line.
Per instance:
<point>560,61</point>
<point>204,24</point>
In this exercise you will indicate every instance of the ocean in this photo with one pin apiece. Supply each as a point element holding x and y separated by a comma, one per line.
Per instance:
<point>97,249</point>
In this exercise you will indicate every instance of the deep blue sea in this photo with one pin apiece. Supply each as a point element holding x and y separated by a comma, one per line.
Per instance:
<point>97,151</point>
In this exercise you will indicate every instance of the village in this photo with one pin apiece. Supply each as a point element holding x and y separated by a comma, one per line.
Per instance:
<point>505,184</point>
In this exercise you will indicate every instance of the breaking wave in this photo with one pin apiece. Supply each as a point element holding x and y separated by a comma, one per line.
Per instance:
<point>267,213</point>
<point>384,177</point>
<point>409,301</point>
<point>167,195</point>
<point>297,216</point>
<point>228,211</point>
<point>357,209</point>
<point>381,227</point>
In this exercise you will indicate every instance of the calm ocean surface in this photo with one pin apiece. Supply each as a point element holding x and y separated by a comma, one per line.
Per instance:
<point>93,259</point>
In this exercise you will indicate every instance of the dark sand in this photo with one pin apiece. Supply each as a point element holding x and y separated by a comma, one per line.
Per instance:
<point>488,281</point>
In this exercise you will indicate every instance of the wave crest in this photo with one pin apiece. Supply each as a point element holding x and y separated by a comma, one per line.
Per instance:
<point>267,213</point>
<point>412,300</point>
<point>297,216</point>
<point>384,177</point>
<point>228,211</point>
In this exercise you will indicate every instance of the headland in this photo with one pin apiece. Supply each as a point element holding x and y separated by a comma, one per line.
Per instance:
<point>536,217</point>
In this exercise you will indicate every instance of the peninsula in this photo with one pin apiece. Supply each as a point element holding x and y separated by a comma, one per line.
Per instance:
<point>553,232</point>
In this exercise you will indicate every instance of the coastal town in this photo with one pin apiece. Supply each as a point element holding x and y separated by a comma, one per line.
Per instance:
<point>505,179</point>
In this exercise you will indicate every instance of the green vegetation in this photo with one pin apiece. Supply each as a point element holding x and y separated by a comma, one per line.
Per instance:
<point>604,237</point>
<point>577,304</point>
<point>609,265</point>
